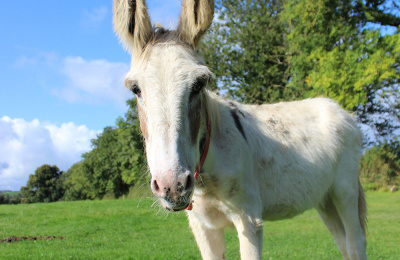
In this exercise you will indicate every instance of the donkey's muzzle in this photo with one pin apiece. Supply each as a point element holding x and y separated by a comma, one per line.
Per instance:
<point>177,207</point>
<point>174,190</point>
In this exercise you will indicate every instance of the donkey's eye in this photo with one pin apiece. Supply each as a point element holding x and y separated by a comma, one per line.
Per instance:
<point>197,86</point>
<point>136,90</point>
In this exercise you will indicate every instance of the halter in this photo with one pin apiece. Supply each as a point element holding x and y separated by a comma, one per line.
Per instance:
<point>203,155</point>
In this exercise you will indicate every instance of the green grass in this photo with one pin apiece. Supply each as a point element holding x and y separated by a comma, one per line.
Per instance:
<point>118,229</point>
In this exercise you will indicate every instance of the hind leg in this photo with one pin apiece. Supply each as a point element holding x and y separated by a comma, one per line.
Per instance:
<point>346,193</point>
<point>330,216</point>
<point>347,207</point>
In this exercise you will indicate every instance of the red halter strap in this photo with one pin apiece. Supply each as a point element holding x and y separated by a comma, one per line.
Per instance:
<point>206,146</point>
<point>203,155</point>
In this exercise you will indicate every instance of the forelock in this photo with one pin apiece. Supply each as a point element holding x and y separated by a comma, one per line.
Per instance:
<point>162,36</point>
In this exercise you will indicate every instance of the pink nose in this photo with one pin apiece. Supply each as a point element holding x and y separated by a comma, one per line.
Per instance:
<point>171,186</point>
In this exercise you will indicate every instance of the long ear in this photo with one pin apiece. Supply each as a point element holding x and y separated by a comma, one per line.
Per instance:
<point>132,24</point>
<point>196,17</point>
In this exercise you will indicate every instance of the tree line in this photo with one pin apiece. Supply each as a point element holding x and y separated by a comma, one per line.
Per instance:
<point>268,51</point>
<point>10,197</point>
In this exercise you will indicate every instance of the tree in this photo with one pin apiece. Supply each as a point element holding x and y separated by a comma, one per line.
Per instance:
<point>45,185</point>
<point>246,49</point>
<point>333,54</point>
<point>77,185</point>
<point>3,199</point>
<point>104,165</point>
<point>133,159</point>
<point>379,11</point>
<point>380,116</point>
<point>115,163</point>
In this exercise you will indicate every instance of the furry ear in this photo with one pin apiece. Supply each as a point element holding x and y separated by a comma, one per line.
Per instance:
<point>132,24</point>
<point>196,17</point>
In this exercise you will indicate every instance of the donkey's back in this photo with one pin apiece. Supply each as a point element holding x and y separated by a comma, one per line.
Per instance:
<point>302,152</point>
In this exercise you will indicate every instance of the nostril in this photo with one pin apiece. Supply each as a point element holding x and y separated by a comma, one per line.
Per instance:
<point>155,186</point>
<point>189,183</point>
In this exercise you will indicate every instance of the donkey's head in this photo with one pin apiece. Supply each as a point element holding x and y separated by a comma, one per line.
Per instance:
<point>169,80</point>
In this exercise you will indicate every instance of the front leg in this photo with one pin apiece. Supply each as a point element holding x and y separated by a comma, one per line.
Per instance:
<point>250,232</point>
<point>209,240</point>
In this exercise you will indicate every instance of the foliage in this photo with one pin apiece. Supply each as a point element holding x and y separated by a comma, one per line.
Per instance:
<point>124,229</point>
<point>115,163</point>
<point>103,164</point>
<point>133,160</point>
<point>246,49</point>
<point>3,199</point>
<point>45,185</point>
<point>380,166</point>
<point>77,185</point>
<point>381,115</point>
<point>379,11</point>
<point>334,53</point>
<point>10,197</point>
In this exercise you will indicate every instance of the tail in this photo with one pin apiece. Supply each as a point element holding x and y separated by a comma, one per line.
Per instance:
<point>362,207</point>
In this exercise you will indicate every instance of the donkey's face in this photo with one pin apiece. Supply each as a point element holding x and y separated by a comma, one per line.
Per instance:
<point>168,79</point>
<point>169,87</point>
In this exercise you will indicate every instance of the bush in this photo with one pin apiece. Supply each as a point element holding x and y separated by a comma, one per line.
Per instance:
<point>10,197</point>
<point>46,185</point>
<point>3,199</point>
<point>380,167</point>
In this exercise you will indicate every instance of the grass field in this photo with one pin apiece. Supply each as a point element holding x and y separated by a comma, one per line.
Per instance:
<point>120,229</point>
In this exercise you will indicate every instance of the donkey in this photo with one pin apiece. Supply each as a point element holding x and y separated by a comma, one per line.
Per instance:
<point>251,162</point>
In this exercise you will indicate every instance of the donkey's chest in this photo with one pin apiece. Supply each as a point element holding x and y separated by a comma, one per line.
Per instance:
<point>209,210</point>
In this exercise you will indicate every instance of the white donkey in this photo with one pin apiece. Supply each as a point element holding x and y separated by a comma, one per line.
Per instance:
<point>254,163</point>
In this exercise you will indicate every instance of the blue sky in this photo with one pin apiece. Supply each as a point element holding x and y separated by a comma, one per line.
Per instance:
<point>62,71</point>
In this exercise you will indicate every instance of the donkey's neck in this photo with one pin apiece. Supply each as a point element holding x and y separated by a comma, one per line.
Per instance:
<point>229,141</point>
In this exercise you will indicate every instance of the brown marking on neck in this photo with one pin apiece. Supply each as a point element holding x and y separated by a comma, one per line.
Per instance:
<point>238,124</point>
<point>142,121</point>
<point>194,119</point>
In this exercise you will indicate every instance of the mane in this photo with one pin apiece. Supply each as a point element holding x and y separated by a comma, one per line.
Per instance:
<point>162,35</point>
<point>211,103</point>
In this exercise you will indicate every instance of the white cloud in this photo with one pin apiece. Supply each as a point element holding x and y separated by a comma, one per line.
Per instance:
<point>82,81</point>
<point>95,17</point>
<point>24,146</point>
<point>95,81</point>
<point>37,58</point>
